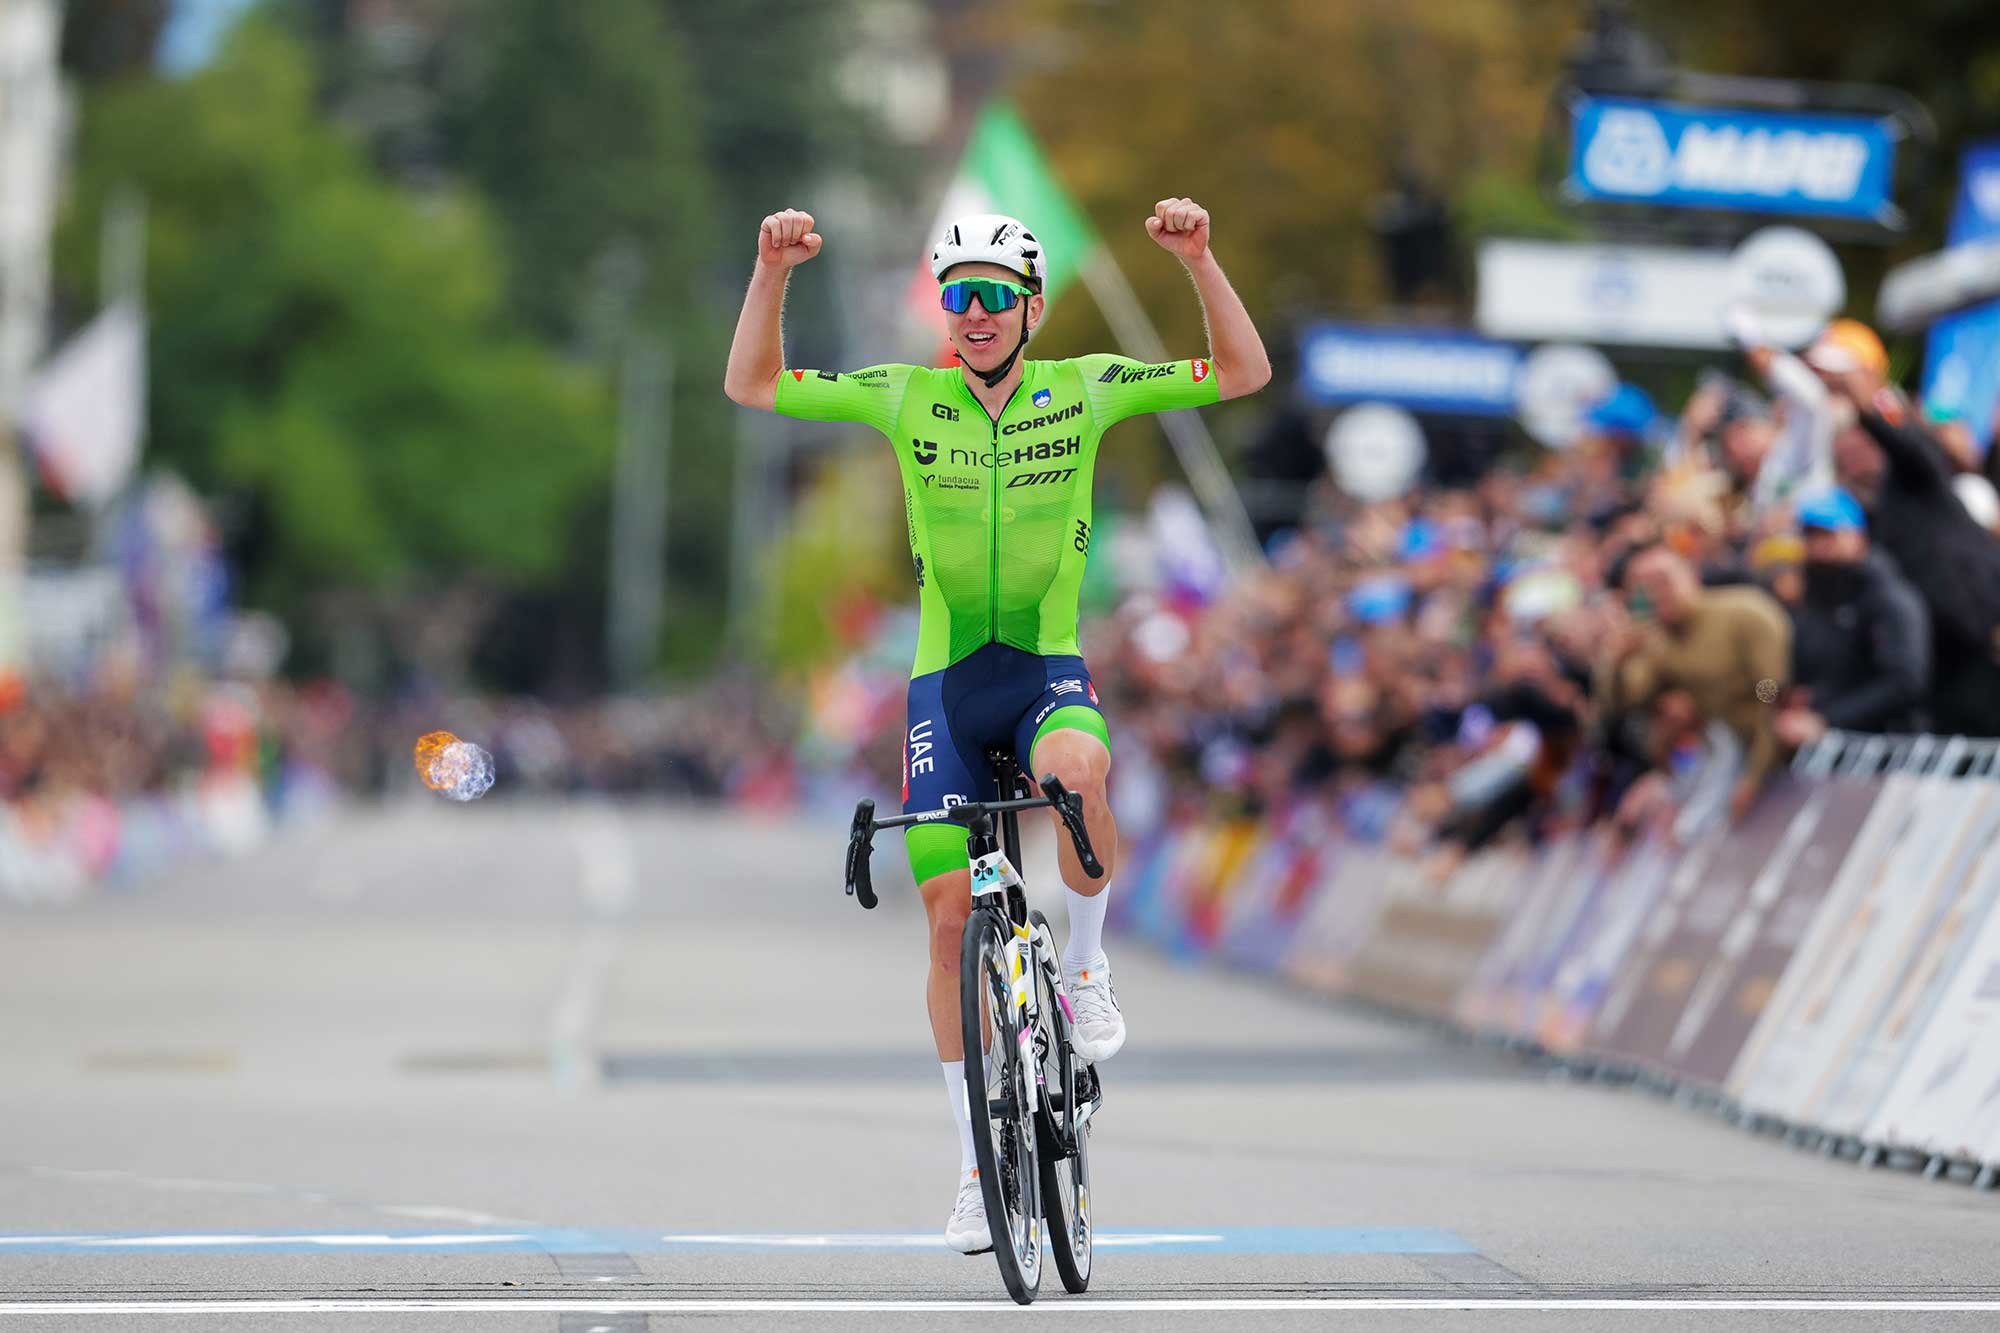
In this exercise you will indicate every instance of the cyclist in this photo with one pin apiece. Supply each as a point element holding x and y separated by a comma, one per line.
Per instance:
<point>996,456</point>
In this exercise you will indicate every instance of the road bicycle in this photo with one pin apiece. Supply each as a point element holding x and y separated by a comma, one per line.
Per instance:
<point>1031,1099</point>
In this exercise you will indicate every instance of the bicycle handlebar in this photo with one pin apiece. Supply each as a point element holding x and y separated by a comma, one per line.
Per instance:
<point>1068,806</point>
<point>860,845</point>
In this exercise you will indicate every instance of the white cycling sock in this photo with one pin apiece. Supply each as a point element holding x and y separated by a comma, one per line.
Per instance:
<point>961,1114</point>
<point>1086,928</point>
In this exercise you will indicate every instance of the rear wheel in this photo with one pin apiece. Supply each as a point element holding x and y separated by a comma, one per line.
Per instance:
<point>1066,1178</point>
<point>1003,1130</point>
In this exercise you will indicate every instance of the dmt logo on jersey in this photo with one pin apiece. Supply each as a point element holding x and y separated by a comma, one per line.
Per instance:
<point>1039,478</point>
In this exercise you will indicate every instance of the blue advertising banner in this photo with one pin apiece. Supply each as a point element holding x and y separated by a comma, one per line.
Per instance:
<point>1737,161</point>
<point>1422,370</point>
<point>1962,357</point>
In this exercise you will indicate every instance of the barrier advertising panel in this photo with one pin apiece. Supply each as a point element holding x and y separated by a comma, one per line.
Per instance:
<point>1933,941</point>
<point>1670,968</point>
<point>1751,955</point>
<point>1276,889</point>
<point>1340,914</point>
<point>1491,1001</point>
<point>1600,942</point>
<point>1634,972</point>
<point>1845,985</point>
<point>1949,1085</point>
<point>1886,820</point>
<point>1429,938</point>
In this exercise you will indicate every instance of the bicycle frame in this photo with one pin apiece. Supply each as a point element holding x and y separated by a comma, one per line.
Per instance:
<point>998,886</point>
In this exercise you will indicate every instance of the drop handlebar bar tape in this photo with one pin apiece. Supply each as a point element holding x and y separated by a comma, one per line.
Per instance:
<point>1069,805</point>
<point>860,844</point>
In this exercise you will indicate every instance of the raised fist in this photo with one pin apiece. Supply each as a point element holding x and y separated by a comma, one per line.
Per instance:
<point>1180,227</point>
<point>787,239</point>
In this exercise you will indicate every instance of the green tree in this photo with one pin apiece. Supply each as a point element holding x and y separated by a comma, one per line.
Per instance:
<point>331,352</point>
<point>578,122</point>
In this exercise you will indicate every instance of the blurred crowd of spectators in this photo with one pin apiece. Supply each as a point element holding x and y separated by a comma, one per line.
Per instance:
<point>1642,627</point>
<point>728,741</point>
<point>115,779</point>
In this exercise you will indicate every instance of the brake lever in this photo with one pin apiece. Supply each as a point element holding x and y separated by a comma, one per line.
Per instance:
<point>1069,805</point>
<point>860,846</point>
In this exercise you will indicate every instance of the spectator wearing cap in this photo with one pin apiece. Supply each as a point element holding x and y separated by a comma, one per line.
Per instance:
<point>1725,650</point>
<point>1777,563</point>
<point>1861,637</point>
<point>1903,477</point>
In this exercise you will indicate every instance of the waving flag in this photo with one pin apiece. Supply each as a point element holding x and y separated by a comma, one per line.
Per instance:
<point>1003,171</point>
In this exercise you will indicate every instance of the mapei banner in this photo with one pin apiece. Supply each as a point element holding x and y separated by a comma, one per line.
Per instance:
<point>1733,160</point>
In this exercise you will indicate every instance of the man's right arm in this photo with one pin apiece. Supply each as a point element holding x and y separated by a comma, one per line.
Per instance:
<point>757,353</point>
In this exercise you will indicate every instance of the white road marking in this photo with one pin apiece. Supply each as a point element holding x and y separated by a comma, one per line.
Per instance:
<point>606,879</point>
<point>560,1305</point>
<point>923,1240</point>
<point>196,1242</point>
<point>432,1212</point>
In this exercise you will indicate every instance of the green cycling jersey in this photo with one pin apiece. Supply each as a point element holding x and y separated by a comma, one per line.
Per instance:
<point>998,509</point>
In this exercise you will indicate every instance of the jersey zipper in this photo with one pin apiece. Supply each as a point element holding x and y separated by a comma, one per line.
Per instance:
<point>993,503</point>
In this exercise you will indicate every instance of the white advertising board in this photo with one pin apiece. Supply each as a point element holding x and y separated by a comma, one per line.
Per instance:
<point>1849,976</point>
<point>1898,980</point>
<point>1947,1090</point>
<point>1887,820</point>
<point>1657,296</point>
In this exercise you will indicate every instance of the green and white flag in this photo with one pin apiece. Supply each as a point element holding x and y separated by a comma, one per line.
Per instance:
<point>1004,171</point>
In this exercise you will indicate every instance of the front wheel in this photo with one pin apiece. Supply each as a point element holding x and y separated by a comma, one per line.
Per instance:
<point>997,1095</point>
<point>1065,1177</point>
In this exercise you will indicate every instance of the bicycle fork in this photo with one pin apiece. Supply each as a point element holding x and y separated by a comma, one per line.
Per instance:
<point>994,874</point>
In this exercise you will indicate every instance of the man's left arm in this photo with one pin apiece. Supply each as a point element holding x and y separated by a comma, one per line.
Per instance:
<point>1766,638</point>
<point>1236,353</point>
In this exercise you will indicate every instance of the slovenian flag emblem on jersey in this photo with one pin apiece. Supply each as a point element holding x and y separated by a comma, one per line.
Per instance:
<point>1041,398</point>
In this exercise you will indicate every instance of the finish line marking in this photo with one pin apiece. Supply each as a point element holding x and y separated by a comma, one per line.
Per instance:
<point>558,1305</point>
<point>1222,1240</point>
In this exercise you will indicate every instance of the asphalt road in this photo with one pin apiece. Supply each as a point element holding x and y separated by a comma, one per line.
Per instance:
<point>591,1070</point>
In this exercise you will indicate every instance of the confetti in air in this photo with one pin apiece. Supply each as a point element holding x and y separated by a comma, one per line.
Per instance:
<point>459,769</point>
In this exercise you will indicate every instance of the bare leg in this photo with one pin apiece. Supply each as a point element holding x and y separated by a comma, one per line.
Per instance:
<point>1082,762</point>
<point>947,902</point>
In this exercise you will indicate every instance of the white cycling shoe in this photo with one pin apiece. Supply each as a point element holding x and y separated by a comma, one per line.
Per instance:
<point>966,1230</point>
<point>1099,1029</point>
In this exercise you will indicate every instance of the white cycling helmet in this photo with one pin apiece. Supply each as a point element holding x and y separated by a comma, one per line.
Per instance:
<point>991,238</point>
